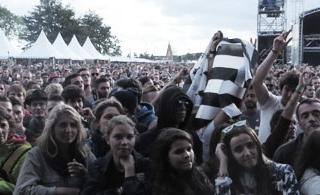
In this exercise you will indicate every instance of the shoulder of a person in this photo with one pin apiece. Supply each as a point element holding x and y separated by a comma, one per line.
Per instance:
<point>270,101</point>
<point>282,168</point>
<point>139,158</point>
<point>310,173</point>
<point>287,146</point>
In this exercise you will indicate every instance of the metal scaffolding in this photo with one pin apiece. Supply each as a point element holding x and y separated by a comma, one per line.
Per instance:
<point>271,21</point>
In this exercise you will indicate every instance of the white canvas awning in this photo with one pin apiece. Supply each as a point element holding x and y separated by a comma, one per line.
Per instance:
<point>6,49</point>
<point>62,47</point>
<point>75,46</point>
<point>89,47</point>
<point>41,49</point>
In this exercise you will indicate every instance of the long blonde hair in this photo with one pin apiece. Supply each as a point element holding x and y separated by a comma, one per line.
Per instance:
<point>47,143</point>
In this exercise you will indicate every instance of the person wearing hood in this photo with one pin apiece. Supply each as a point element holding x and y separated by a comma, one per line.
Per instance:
<point>174,109</point>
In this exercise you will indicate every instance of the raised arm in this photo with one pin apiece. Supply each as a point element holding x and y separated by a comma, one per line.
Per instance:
<point>264,68</point>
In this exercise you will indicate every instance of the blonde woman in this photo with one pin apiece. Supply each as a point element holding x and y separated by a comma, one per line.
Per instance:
<point>58,164</point>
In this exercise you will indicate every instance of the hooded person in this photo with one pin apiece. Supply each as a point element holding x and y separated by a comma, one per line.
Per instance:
<point>173,109</point>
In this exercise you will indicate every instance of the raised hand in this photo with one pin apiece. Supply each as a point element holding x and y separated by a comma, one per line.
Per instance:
<point>279,42</point>
<point>223,159</point>
<point>217,37</point>
<point>128,165</point>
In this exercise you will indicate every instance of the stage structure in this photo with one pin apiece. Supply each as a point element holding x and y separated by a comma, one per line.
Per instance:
<point>308,47</point>
<point>271,22</point>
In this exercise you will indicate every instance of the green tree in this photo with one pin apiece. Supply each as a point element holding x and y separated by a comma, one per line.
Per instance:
<point>100,34</point>
<point>52,17</point>
<point>9,22</point>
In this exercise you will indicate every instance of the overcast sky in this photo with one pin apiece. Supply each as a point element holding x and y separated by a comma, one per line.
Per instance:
<point>149,25</point>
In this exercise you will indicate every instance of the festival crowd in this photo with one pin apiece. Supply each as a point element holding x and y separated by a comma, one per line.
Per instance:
<point>130,129</point>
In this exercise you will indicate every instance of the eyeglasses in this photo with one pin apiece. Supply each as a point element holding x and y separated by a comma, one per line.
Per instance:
<point>94,74</point>
<point>231,127</point>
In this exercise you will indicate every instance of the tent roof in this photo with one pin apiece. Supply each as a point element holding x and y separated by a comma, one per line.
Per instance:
<point>6,49</point>
<point>41,49</point>
<point>62,47</point>
<point>75,46</point>
<point>88,46</point>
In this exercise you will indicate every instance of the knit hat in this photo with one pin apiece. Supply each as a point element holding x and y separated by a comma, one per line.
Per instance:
<point>128,99</point>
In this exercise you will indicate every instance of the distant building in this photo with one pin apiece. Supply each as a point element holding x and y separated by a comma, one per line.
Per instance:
<point>169,55</point>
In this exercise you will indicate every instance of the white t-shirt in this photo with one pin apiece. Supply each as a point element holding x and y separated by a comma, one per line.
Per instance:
<point>267,110</point>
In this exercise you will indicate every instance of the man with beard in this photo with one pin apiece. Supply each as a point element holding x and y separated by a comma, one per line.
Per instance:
<point>250,111</point>
<point>102,88</point>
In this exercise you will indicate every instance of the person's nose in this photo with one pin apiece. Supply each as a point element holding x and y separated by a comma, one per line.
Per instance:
<point>68,129</point>
<point>186,155</point>
<point>246,151</point>
<point>124,141</point>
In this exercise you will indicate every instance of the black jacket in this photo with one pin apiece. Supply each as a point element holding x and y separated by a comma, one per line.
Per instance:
<point>104,179</point>
<point>288,153</point>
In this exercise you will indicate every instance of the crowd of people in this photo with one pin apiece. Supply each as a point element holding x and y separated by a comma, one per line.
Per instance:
<point>130,129</point>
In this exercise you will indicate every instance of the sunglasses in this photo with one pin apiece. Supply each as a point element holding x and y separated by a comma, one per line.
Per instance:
<point>230,128</point>
<point>94,74</point>
<point>185,102</point>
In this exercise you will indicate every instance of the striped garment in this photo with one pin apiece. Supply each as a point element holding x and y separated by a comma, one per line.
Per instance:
<point>223,86</point>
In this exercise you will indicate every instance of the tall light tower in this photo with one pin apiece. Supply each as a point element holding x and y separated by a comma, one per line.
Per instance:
<point>271,21</point>
<point>297,8</point>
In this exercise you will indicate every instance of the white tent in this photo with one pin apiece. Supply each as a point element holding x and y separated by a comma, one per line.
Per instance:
<point>62,47</point>
<point>6,49</point>
<point>88,46</point>
<point>75,46</point>
<point>41,49</point>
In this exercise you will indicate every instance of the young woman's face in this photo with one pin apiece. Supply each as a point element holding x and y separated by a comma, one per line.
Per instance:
<point>66,129</point>
<point>181,155</point>
<point>121,141</point>
<point>4,131</point>
<point>244,150</point>
<point>107,115</point>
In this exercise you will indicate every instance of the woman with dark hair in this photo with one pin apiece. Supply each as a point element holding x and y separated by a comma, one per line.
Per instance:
<point>173,165</point>
<point>12,153</point>
<point>103,112</point>
<point>58,164</point>
<point>244,169</point>
<point>308,165</point>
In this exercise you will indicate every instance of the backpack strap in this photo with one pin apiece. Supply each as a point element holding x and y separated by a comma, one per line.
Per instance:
<point>14,157</point>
